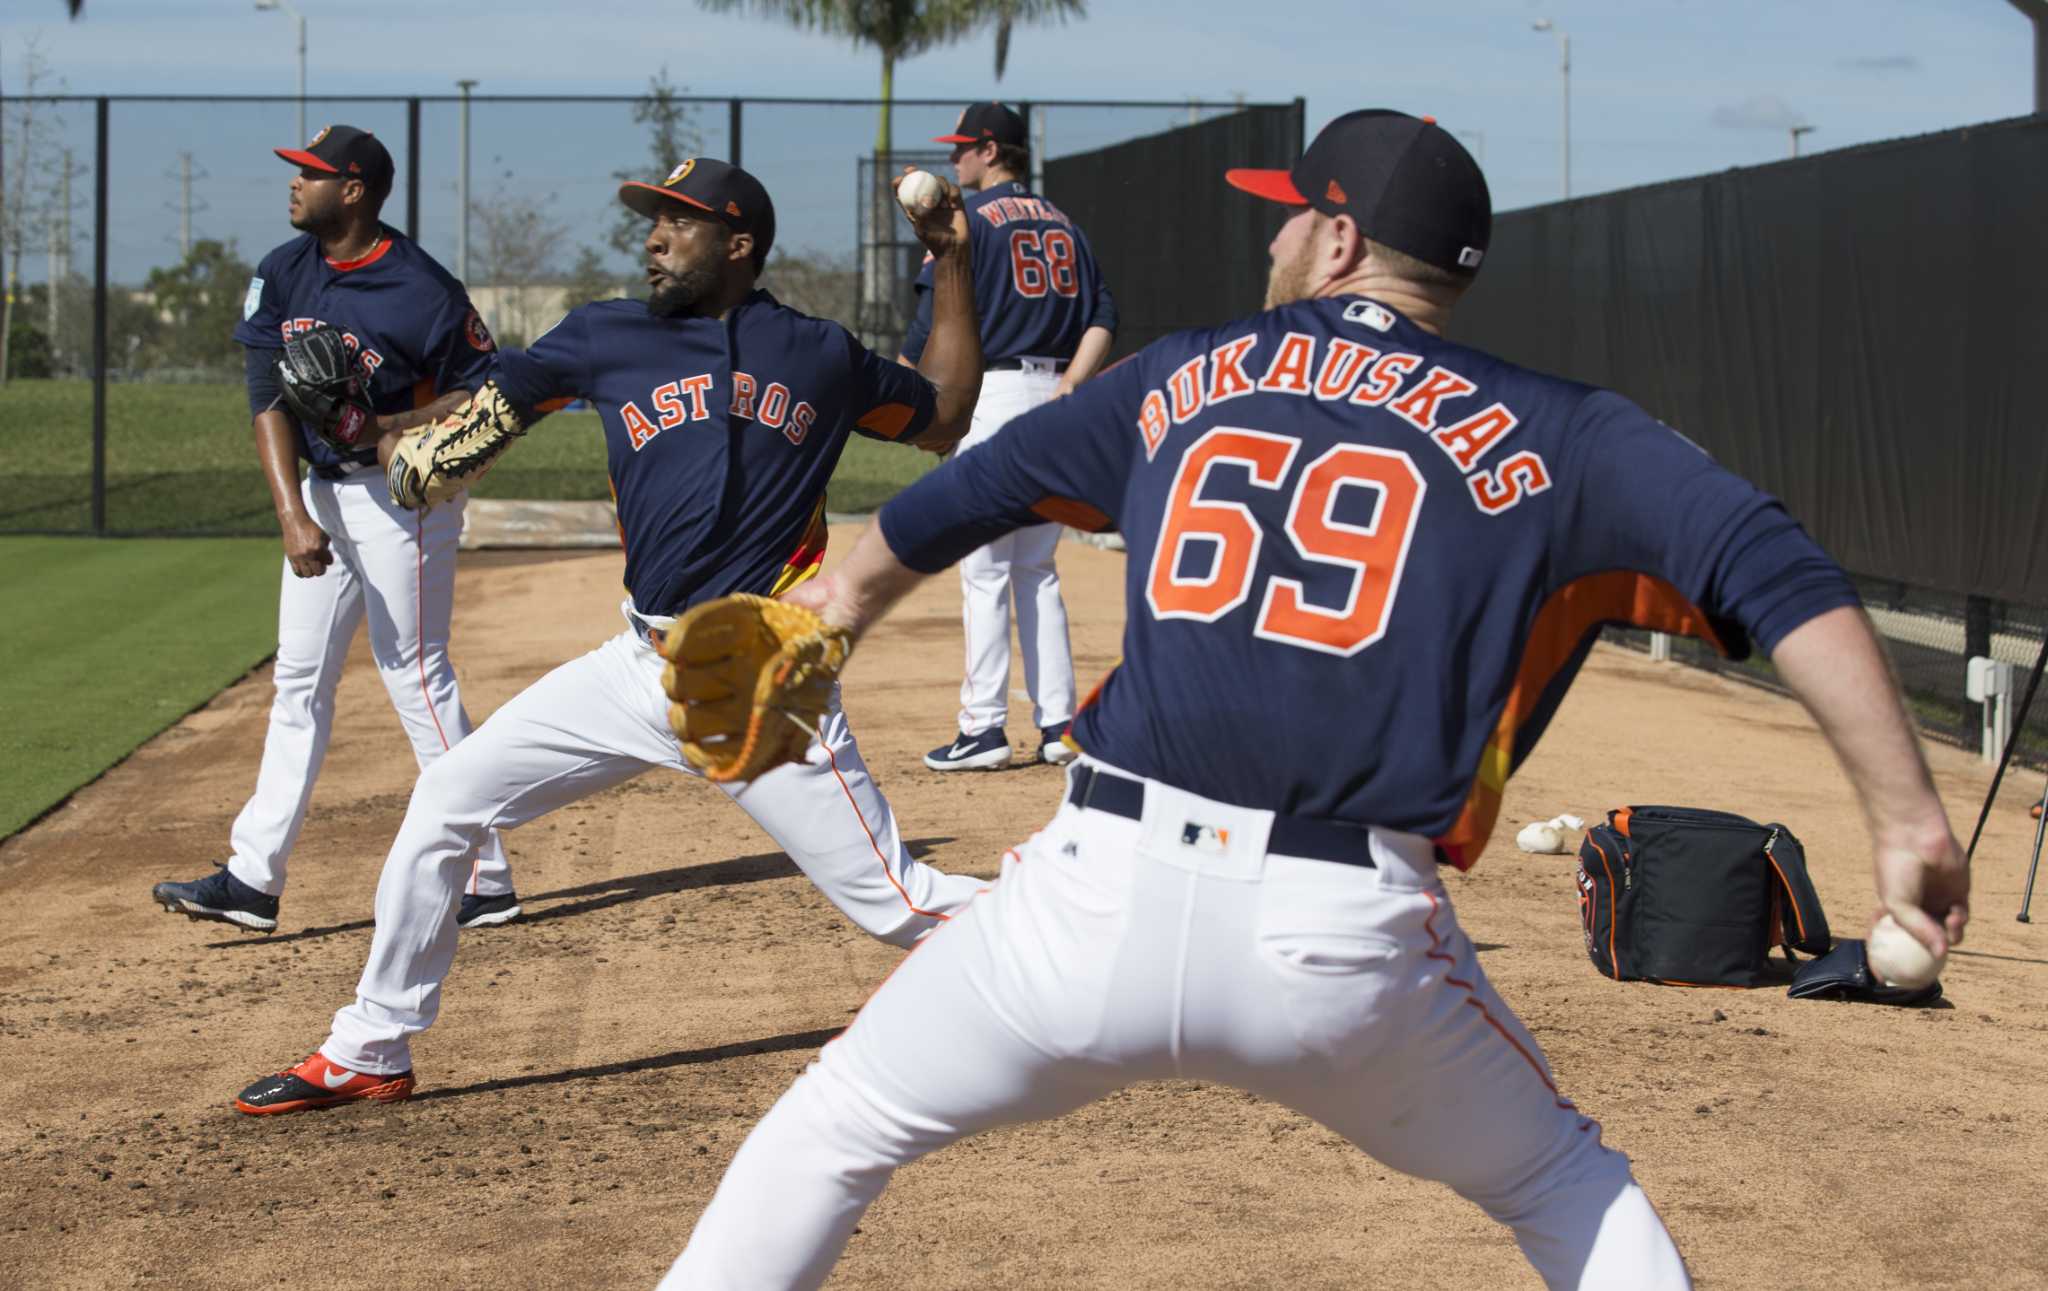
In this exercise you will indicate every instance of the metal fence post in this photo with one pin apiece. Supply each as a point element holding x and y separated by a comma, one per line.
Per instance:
<point>412,168</point>
<point>99,318</point>
<point>1299,111</point>
<point>732,130</point>
<point>1977,614</point>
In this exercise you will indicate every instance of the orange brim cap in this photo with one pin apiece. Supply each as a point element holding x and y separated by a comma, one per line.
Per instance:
<point>1273,185</point>
<point>300,157</point>
<point>650,199</point>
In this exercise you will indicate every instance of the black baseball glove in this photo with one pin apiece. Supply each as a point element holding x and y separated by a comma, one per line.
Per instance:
<point>325,389</point>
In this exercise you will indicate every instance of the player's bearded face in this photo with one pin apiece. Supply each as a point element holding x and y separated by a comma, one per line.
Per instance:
<point>683,259</point>
<point>1294,253</point>
<point>315,202</point>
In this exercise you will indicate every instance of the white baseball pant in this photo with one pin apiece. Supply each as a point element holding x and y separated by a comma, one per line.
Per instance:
<point>592,723</point>
<point>1018,565</point>
<point>396,569</point>
<point>1113,951</point>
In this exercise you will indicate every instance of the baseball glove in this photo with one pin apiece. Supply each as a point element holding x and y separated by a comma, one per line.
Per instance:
<point>436,462</point>
<point>325,390</point>
<point>748,681</point>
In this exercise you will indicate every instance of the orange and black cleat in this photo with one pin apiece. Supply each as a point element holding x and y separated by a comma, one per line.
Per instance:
<point>317,1082</point>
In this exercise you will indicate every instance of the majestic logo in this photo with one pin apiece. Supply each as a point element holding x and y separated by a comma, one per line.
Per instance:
<point>680,173</point>
<point>254,300</point>
<point>1335,193</point>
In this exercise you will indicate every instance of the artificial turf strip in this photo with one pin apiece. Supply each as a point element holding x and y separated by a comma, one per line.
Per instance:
<point>105,642</point>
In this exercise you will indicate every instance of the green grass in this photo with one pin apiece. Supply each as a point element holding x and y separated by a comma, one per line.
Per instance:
<point>180,460</point>
<point>105,643</point>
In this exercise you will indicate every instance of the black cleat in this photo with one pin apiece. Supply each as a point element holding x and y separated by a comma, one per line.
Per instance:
<point>316,1082</point>
<point>222,896</point>
<point>485,912</point>
<point>981,751</point>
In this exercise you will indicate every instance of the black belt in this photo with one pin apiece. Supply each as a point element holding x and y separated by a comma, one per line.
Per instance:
<point>1305,836</point>
<point>1018,365</point>
<point>341,471</point>
<point>653,633</point>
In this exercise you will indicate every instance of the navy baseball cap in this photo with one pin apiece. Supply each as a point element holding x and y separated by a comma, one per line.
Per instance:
<point>982,122</point>
<point>717,187</point>
<point>347,152</point>
<point>1407,182</point>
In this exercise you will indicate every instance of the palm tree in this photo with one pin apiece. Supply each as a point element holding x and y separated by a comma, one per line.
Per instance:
<point>902,29</point>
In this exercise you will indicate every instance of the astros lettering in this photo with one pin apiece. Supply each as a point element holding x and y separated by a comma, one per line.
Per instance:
<point>681,400</point>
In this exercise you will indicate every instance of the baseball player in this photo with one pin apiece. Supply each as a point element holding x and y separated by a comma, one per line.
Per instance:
<point>1047,322</point>
<point>724,414</point>
<point>350,554</point>
<point>1364,564</point>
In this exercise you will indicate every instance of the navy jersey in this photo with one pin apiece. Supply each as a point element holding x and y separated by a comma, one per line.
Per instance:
<point>720,434</point>
<point>1364,561</point>
<point>1037,287</point>
<point>407,319</point>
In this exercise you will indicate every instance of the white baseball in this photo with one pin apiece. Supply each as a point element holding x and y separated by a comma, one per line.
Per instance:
<point>918,192</point>
<point>1897,958</point>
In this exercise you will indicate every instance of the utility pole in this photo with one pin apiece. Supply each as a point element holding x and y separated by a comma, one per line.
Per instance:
<point>1564,67</point>
<point>462,192</point>
<point>185,206</point>
<point>2036,12</point>
<point>1795,132</point>
<point>299,18</point>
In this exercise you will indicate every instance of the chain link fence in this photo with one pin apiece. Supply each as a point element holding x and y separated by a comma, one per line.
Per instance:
<point>129,229</point>
<point>1931,636</point>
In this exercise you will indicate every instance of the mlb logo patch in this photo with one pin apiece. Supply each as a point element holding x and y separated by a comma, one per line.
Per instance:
<point>1377,317</point>
<point>1205,838</point>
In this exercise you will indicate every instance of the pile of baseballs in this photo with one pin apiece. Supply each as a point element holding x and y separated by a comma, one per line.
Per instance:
<point>1549,837</point>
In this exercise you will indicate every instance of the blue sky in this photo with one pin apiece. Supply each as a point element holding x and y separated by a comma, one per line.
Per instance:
<point>1660,88</point>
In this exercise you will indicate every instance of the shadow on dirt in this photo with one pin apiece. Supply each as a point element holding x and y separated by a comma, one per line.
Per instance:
<point>680,1058</point>
<point>605,893</point>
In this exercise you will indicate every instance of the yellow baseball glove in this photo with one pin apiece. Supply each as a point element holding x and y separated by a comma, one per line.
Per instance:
<point>748,681</point>
<point>437,462</point>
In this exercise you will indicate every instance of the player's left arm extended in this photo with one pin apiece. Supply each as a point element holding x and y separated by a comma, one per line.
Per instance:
<point>952,354</point>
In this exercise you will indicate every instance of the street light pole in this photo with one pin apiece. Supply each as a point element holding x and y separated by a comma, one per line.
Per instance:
<point>1564,67</point>
<point>462,194</point>
<point>301,20</point>
<point>1796,131</point>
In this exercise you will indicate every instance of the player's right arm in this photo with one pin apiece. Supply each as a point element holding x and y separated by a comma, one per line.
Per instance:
<point>1834,664</point>
<point>951,359</point>
<point>1063,461</point>
<point>306,548</point>
<point>1639,496</point>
